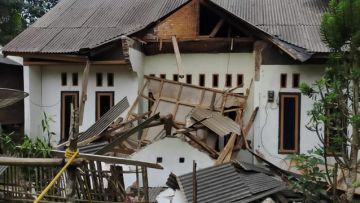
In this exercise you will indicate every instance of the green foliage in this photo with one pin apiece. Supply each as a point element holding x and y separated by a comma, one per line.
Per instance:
<point>45,123</point>
<point>16,15</point>
<point>313,180</point>
<point>32,148</point>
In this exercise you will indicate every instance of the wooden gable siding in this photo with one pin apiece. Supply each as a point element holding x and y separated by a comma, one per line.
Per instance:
<point>184,23</point>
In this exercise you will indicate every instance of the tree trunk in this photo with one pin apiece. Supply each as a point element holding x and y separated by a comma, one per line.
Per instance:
<point>352,176</point>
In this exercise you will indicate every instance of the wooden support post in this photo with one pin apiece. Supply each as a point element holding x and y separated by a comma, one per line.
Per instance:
<point>178,57</point>
<point>259,46</point>
<point>83,98</point>
<point>194,183</point>
<point>137,182</point>
<point>145,183</point>
<point>71,170</point>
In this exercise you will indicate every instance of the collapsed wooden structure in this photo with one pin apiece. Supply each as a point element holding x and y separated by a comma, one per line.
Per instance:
<point>173,109</point>
<point>199,115</point>
<point>23,180</point>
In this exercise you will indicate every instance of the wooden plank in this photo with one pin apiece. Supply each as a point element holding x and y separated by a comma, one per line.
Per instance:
<point>217,28</point>
<point>211,151</point>
<point>227,149</point>
<point>83,98</point>
<point>178,57</point>
<point>14,161</point>
<point>123,136</point>
<point>251,121</point>
<point>111,159</point>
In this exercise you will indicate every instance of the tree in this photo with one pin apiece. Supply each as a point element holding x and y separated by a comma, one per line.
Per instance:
<point>335,115</point>
<point>16,15</point>
<point>11,22</point>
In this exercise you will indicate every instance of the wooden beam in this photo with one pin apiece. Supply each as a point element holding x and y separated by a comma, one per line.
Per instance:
<point>83,98</point>
<point>56,57</point>
<point>123,136</point>
<point>213,153</point>
<point>251,121</point>
<point>28,62</point>
<point>14,161</point>
<point>178,57</point>
<point>227,149</point>
<point>110,159</point>
<point>217,28</point>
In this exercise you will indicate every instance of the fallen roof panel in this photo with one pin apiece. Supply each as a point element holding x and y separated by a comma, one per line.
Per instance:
<point>228,183</point>
<point>216,122</point>
<point>105,121</point>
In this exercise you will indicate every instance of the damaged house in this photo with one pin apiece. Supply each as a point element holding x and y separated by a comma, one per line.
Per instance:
<point>193,59</point>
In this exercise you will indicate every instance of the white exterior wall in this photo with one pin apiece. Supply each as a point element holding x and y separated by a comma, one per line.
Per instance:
<point>32,103</point>
<point>208,64</point>
<point>45,88</point>
<point>266,129</point>
<point>171,149</point>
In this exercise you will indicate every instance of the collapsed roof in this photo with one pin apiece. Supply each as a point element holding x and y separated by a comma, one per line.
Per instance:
<point>74,26</point>
<point>230,182</point>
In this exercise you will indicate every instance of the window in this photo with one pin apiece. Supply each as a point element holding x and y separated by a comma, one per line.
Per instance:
<point>163,76</point>
<point>110,79</point>
<point>176,77</point>
<point>63,79</point>
<point>104,101</point>
<point>99,79</point>
<point>202,80</point>
<point>75,79</point>
<point>189,79</point>
<point>67,99</point>
<point>215,80</point>
<point>181,160</point>
<point>296,80</point>
<point>152,75</point>
<point>159,160</point>
<point>240,80</point>
<point>289,129</point>
<point>283,80</point>
<point>228,80</point>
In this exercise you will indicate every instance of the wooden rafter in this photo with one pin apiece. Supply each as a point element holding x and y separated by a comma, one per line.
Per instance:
<point>217,28</point>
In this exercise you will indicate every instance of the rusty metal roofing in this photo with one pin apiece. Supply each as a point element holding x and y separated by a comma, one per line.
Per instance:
<point>228,183</point>
<point>296,22</point>
<point>215,121</point>
<point>73,25</point>
<point>105,121</point>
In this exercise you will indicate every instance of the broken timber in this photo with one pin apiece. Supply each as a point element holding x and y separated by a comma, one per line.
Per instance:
<point>111,159</point>
<point>122,137</point>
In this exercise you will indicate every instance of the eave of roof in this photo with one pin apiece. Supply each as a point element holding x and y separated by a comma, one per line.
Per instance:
<point>75,25</point>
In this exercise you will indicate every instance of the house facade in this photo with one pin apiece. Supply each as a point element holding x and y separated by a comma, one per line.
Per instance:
<point>260,49</point>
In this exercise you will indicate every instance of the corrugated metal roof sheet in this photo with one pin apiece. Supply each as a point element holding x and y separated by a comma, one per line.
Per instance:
<point>295,22</point>
<point>92,147</point>
<point>216,122</point>
<point>228,183</point>
<point>73,25</point>
<point>105,120</point>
